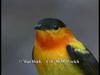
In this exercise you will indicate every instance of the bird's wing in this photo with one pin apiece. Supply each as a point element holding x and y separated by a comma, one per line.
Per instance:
<point>33,54</point>
<point>87,61</point>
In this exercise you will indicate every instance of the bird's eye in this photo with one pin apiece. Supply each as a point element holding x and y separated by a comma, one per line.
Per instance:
<point>55,27</point>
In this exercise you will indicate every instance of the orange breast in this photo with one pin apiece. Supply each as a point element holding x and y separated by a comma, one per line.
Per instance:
<point>53,39</point>
<point>50,43</point>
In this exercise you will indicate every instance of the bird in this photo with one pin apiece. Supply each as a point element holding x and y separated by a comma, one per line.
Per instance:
<point>60,52</point>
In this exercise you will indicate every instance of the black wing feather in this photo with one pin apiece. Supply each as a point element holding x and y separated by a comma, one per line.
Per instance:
<point>33,54</point>
<point>87,62</point>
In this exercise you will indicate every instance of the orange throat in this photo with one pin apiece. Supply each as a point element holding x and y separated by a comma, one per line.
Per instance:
<point>48,42</point>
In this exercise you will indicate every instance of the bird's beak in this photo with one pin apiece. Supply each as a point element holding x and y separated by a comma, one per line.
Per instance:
<point>37,27</point>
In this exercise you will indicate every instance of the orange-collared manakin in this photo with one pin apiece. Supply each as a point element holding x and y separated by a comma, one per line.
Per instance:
<point>60,52</point>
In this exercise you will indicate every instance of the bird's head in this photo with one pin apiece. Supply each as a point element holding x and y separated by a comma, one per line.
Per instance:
<point>51,32</point>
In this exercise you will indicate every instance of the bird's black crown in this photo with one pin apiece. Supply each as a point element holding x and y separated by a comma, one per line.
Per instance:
<point>49,24</point>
